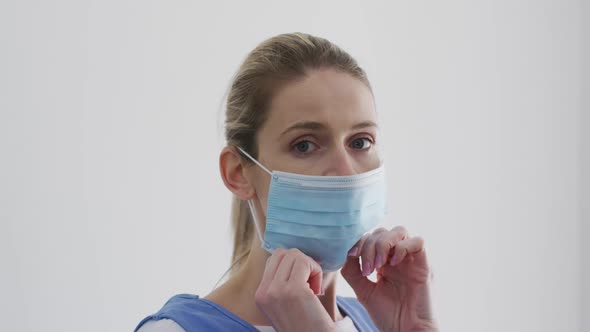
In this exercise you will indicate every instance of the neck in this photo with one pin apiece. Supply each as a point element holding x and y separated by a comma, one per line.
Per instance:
<point>237,294</point>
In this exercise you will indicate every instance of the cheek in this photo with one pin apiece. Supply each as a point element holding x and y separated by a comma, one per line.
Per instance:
<point>369,162</point>
<point>376,161</point>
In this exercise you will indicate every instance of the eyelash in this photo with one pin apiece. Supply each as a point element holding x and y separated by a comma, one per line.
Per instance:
<point>294,146</point>
<point>367,138</point>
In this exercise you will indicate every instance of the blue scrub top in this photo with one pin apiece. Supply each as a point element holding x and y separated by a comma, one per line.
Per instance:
<point>193,313</point>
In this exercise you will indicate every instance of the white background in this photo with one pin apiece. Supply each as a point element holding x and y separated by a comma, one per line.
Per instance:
<point>111,125</point>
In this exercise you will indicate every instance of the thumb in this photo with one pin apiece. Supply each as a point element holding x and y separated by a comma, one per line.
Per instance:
<point>351,271</point>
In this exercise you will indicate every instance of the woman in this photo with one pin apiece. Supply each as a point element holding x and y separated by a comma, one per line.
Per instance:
<point>308,185</point>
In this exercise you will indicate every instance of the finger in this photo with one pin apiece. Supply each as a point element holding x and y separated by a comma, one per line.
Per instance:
<point>404,247</point>
<point>356,249</point>
<point>270,269</point>
<point>368,252</point>
<point>386,242</point>
<point>422,260</point>
<point>306,270</point>
<point>285,266</point>
<point>360,284</point>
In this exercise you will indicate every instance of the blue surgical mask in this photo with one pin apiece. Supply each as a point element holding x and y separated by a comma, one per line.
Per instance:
<point>323,216</point>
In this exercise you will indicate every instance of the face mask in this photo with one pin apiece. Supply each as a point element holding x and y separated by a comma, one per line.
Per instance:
<point>323,216</point>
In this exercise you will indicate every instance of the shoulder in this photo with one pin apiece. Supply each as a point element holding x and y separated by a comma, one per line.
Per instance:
<point>350,303</point>
<point>357,312</point>
<point>162,325</point>
<point>191,313</point>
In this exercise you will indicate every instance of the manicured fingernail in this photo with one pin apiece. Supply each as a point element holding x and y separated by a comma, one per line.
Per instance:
<point>352,252</point>
<point>393,260</point>
<point>366,268</point>
<point>378,262</point>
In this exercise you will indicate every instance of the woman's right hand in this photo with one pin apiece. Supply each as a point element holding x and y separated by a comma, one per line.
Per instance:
<point>287,293</point>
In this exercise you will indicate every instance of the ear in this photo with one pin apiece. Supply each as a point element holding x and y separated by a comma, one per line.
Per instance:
<point>231,167</point>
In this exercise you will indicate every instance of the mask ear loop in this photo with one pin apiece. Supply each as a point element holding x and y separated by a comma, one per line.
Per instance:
<point>252,212</point>
<point>254,160</point>
<point>256,225</point>
<point>250,203</point>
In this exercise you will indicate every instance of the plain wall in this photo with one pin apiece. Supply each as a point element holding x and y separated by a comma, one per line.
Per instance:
<point>585,166</point>
<point>111,126</point>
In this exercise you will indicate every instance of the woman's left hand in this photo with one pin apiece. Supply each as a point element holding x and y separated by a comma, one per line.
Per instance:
<point>400,299</point>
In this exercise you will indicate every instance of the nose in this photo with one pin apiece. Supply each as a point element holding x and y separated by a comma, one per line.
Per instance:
<point>340,163</point>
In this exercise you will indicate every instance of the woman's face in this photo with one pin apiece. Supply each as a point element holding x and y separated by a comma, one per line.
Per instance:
<point>323,124</point>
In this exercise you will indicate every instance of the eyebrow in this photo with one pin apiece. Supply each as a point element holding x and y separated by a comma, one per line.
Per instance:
<point>312,125</point>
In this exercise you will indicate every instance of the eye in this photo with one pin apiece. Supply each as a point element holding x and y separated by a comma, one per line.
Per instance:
<point>304,147</point>
<point>361,143</point>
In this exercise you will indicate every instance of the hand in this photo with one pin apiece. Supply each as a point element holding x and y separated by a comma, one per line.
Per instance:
<point>287,293</point>
<point>399,301</point>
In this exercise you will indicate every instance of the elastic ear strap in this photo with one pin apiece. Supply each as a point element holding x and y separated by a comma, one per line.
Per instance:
<point>253,212</point>
<point>254,160</point>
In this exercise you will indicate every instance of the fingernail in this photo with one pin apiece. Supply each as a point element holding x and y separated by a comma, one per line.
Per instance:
<point>366,268</point>
<point>352,252</point>
<point>393,260</point>
<point>378,262</point>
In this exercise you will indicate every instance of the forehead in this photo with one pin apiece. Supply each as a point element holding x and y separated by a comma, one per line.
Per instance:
<point>324,95</point>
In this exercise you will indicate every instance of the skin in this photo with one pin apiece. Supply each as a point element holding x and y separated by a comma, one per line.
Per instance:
<point>322,124</point>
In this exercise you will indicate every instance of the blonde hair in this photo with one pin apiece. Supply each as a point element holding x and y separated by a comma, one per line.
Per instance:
<point>275,61</point>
